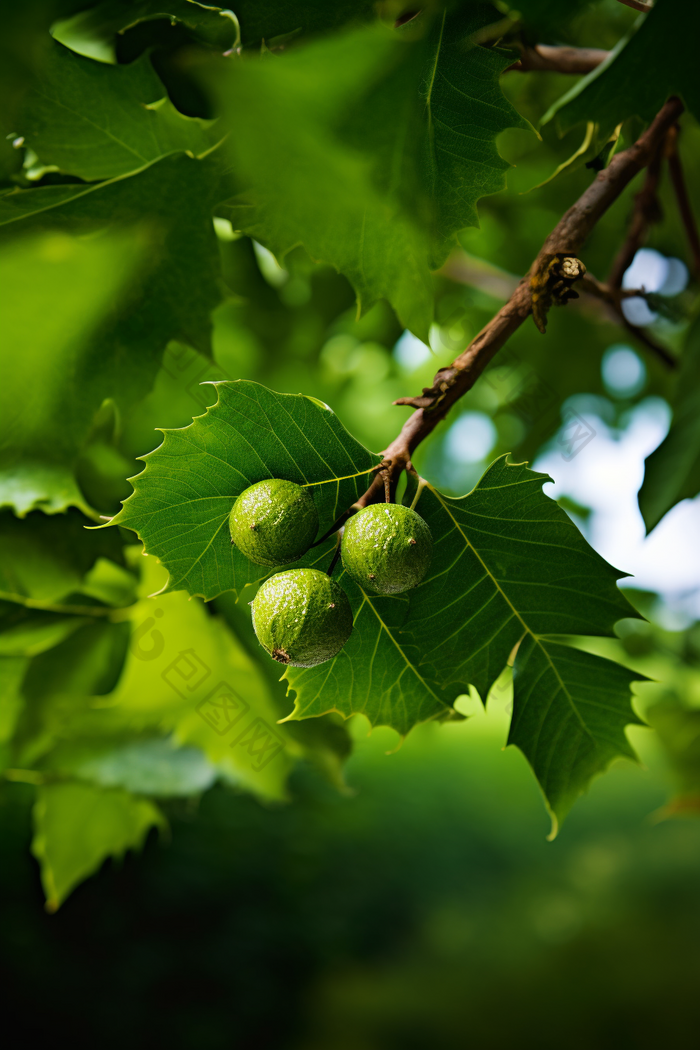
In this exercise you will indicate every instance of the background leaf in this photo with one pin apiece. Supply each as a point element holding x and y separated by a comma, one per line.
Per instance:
<point>376,152</point>
<point>99,121</point>
<point>76,827</point>
<point>663,40</point>
<point>94,344</point>
<point>66,287</point>
<point>672,471</point>
<point>92,32</point>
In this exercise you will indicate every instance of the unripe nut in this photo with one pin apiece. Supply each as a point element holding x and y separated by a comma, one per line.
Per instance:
<point>387,548</point>
<point>274,522</point>
<point>302,617</point>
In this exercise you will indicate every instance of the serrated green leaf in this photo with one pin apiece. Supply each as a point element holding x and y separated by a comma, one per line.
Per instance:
<point>182,500</point>
<point>92,32</point>
<point>570,709</point>
<point>672,471</point>
<point>510,568</point>
<point>77,826</point>
<point>98,121</point>
<point>377,149</point>
<point>655,61</point>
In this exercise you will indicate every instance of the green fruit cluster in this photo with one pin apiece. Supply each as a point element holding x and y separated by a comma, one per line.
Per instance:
<point>302,617</point>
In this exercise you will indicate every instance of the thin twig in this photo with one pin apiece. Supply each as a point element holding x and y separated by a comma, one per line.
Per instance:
<point>684,206</point>
<point>613,297</point>
<point>647,211</point>
<point>606,292</point>
<point>336,554</point>
<point>568,235</point>
<point>551,59</point>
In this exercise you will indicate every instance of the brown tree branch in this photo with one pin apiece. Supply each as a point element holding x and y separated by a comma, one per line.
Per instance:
<point>568,235</point>
<point>684,205</point>
<point>551,59</point>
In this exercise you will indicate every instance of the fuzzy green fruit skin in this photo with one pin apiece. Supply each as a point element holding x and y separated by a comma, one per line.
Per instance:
<point>387,548</point>
<point>274,522</point>
<point>302,617</point>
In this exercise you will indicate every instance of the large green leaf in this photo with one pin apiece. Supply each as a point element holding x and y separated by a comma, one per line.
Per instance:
<point>99,121</point>
<point>377,148</point>
<point>182,500</point>
<point>86,342</point>
<point>672,471</point>
<point>77,826</point>
<point>511,567</point>
<point>656,60</point>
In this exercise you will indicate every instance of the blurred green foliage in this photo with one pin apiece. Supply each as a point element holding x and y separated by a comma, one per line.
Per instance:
<point>427,910</point>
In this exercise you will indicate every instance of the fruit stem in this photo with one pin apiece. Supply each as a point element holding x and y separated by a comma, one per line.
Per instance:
<point>388,496</point>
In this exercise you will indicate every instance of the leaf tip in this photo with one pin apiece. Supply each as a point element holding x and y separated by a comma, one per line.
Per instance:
<point>555,826</point>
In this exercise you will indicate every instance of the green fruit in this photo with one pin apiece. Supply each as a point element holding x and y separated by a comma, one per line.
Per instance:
<point>274,522</point>
<point>387,548</point>
<point>302,617</point>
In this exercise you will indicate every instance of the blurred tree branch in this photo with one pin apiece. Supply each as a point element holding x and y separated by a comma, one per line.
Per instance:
<point>552,59</point>
<point>684,205</point>
<point>637,5</point>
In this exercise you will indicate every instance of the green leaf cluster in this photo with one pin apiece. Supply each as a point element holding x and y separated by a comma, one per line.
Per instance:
<point>149,146</point>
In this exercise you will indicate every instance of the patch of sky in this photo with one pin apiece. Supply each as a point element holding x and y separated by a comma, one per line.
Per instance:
<point>606,477</point>
<point>411,352</point>
<point>624,372</point>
